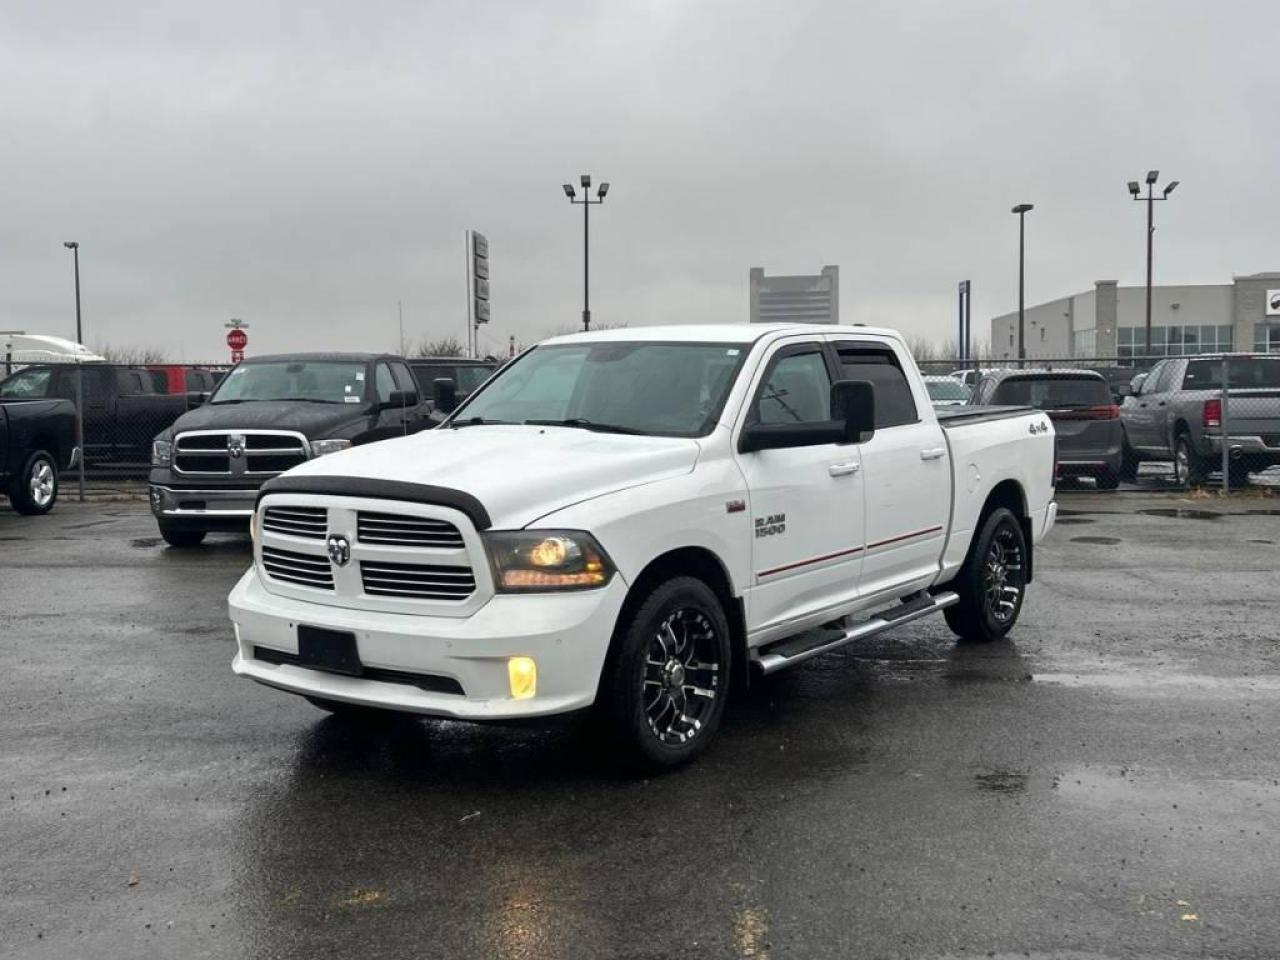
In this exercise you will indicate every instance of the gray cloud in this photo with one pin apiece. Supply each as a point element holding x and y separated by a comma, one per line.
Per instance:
<point>306,166</point>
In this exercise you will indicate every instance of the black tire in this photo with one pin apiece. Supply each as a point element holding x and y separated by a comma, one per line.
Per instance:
<point>1107,481</point>
<point>182,536</point>
<point>1189,468</point>
<point>34,490</point>
<point>997,563</point>
<point>661,701</point>
<point>1129,461</point>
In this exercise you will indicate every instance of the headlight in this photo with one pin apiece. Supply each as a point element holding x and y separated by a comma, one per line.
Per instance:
<point>526,561</point>
<point>320,447</point>
<point>161,453</point>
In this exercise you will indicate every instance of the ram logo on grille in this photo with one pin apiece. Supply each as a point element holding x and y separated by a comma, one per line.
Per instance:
<point>235,445</point>
<point>339,550</point>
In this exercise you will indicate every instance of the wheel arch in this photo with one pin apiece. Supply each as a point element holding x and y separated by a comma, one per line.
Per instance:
<point>707,566</point>
<point>1010,494</point>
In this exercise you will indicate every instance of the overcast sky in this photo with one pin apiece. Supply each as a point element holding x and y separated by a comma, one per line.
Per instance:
<point>305,166</point>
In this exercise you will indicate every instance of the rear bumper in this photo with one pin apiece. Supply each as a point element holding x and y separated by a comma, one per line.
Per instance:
<point>567,635</point>
<point>1251,445</point>
<point>1089,464</point>
<point>1046,521</point>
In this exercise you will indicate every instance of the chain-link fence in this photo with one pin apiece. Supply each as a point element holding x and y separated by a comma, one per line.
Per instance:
<point>119,407</point>
<point>1154,422</point>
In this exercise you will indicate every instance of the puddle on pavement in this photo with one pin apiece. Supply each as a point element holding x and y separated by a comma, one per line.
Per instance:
<point>1069,520</point>
<point>1262,541</point>
<point>1181,513</point>
<point>1137,790</point>
<point>1262,513</point>
<point>1001,781</point>
<point>146,542</point>
<point>1125,679</point>
<point>1104,541</point>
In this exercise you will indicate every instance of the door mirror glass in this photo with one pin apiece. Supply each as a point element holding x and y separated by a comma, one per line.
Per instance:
<point>853,403</point>
<point>444,393</point>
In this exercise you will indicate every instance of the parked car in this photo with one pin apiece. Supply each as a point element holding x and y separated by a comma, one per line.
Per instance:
<point>37,441</point>
<point>1084,415</point>
<point>123,409</point>
<point>635,519</point>
<point>269,414</point>
<point>1177,416</point>
<point>947,392</point>
<point>465,374</point>
<point>190,381</point>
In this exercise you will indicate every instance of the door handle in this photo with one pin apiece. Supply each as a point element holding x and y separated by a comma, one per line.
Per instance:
<point>933,453</point>
<point>844,469</point>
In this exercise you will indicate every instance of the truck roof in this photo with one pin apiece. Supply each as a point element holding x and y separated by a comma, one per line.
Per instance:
<point>353,357</point>
<point>717,332</point>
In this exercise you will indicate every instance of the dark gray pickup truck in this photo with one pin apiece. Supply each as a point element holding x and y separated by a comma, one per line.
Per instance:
<point>269,414</point>
<point>1177,415</point>
<point>37,440</point>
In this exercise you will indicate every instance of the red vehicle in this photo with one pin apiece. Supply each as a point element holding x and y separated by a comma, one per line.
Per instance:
<point>174,378</point>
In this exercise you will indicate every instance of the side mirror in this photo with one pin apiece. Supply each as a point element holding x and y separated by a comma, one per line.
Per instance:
<point>854,403</point>
<point>853,418</point>
<point>444,394</point>
<point>399,399</point>
<point>197,398</point>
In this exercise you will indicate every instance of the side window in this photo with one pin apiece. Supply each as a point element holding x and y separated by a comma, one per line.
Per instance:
<point>30,384</point>
<point>383,383</point>
<point>1161,380</point>
<point>404,379</point>
<point>797,389</point>
<point>894,403</point>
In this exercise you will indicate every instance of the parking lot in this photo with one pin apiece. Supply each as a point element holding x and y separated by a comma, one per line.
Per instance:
<point>1104,786</point>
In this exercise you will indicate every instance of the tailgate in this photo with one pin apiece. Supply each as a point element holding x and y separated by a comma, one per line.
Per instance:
<point>1254,413</point>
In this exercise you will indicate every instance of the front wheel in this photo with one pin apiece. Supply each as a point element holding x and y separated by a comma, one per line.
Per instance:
<point>35,489</point>
<point>181,536</point>
<point>992,582</point>
<point>663,691</point>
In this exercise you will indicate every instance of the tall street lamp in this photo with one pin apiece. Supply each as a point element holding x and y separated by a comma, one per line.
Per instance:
<point>586,203</point>
<point>1021,210</point>
<point>74,247</point>
<point>1151,198</point>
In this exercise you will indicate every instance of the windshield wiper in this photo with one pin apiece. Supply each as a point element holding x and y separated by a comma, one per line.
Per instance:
<point>218,403</point>
<point>584,424</point>
<point>474,422</point>
<point>299,400</point>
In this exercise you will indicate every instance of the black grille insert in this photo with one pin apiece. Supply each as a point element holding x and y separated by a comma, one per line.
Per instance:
<point>430,682</point>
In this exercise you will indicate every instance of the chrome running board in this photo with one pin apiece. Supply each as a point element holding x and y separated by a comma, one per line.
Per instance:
<point>787,653</point>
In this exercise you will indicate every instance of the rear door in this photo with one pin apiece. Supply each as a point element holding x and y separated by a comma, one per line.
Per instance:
<point>906,471</point>
<point>806,503</point>
<point>1139,419</point>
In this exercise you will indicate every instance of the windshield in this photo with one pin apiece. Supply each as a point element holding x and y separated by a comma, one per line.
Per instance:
<point>946,389</point>
<point>1243,373</point>
<point>663,389</point>
<point>1053,393</point>
<point>318,381</point>
<point>466,376</point>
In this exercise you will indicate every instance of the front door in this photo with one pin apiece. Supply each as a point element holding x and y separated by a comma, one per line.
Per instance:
<point>805,502</point>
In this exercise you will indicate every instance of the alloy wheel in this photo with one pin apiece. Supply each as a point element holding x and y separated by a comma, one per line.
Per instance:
<point>681,676</point>
<point>42,483</point>
<point>1003,575</point>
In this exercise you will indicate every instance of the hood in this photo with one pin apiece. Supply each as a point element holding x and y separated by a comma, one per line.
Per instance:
<point>312,420</point>
<point>519,473</point>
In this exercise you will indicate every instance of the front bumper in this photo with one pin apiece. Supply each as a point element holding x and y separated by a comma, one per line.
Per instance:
<point>1047,521</point>
<point>214,504</point>
<point>567,634</point>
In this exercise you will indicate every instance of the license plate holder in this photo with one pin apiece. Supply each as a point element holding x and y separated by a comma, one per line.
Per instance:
<point>333,651</point>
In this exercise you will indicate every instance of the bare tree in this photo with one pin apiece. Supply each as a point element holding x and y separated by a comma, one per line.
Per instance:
<point>444,347</point>
<point>133,355</point>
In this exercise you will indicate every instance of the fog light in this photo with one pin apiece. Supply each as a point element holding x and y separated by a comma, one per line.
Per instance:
<point>522,673</point>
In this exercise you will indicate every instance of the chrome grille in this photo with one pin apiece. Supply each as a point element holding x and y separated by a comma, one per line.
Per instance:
<point>306,569</point>
<point>297,521</point>
<point>259,453</point>
<point>400,530</point>
<point>417,581</point>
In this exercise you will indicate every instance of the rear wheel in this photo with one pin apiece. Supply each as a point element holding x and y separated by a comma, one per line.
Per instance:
<point>1238,474</point>
<point>35,490</point>
<point>1107,481</point>
<point>1189,468</point>
<point>992,582</point>
<point>663,691</point>
<point>181,536</point>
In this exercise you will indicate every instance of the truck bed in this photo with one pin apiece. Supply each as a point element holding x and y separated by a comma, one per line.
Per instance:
<point>963,416</point>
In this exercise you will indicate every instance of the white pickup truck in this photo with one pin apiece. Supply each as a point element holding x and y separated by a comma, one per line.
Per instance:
<point>635,520</point>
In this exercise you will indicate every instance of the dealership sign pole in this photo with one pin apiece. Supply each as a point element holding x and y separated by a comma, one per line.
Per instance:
<point>477,288</point>
<point>963,346</point>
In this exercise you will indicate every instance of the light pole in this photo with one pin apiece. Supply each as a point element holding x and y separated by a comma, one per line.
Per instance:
<point>74,247</point>
<point>586,203</point>
<point>1151,198</point>
<point>1021,210</point>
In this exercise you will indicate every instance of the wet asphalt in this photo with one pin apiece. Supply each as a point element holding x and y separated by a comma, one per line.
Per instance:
<point>1106,785</point>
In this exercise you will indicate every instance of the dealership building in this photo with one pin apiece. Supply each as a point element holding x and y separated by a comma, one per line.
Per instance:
<point>1110,321</point>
